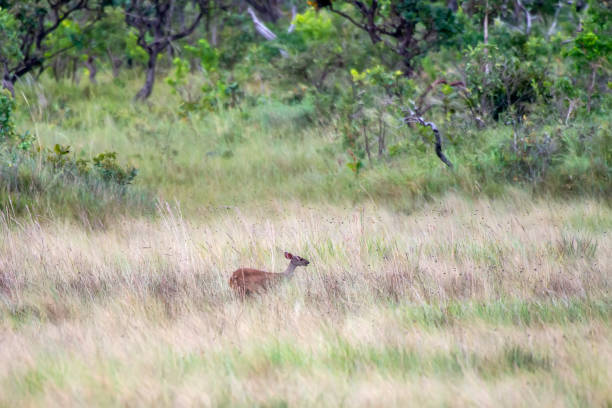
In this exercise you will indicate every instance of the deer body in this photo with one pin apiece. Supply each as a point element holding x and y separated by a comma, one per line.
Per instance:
<point>248,281</point>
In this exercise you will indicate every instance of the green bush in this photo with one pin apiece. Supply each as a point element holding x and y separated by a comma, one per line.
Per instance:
<point>110,171</point>
<point>52,180</point>
<point>554,159</point>
<point>7,127</point>
<point>500,81</point>
<point>34,186</point>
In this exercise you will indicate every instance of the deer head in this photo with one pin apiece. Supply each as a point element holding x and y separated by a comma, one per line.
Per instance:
<point>296,260</point>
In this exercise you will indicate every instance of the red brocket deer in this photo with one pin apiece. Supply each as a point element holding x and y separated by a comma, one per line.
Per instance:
<point>247,281</point>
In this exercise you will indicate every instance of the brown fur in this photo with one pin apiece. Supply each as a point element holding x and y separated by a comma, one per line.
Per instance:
<point>247,281</point>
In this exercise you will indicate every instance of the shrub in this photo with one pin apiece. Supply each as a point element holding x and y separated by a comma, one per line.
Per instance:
<point>499,81</point>
<point>44,180</point>
<point>109,170</point>
<point>7,127</point>
<point>31,185</point>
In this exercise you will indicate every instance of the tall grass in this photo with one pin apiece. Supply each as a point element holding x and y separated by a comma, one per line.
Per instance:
<point>459,303</point>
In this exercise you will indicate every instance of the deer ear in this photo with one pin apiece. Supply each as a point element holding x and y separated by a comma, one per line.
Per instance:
<point>288,255</point>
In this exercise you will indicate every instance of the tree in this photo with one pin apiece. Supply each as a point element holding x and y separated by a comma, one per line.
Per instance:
<point>27,24</point>
<point>591,50</point>
<point>409,28</point>
<point>9,47</point>
<point>158,24</point>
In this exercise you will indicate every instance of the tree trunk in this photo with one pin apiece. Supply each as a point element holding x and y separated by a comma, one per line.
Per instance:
<point>485,33</point>
<point>367,144</point>
<point>8,84</point>
<point>591,87</point>
<point>147,89</point>
<point>381,136</point>
<point>115,63</point>
<point>213,33</point>
<point>55,69</point>
<point>90,63</point>
<point>75,71</point>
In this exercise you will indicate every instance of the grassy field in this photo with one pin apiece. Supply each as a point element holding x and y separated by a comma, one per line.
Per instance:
<point>485,302</point>
<point>425,288</point>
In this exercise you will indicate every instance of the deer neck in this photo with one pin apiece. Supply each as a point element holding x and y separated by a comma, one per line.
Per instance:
<point>288,274</point>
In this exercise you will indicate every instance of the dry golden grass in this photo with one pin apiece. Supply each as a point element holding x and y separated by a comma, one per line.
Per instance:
<point>462,303</point>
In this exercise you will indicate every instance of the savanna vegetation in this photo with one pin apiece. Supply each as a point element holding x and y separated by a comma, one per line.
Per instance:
<point>445,166</point>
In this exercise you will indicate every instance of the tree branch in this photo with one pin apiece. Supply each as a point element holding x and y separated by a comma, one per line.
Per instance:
<point>293,14</point>
<point>412,118</point>
<point>193,26</point>
<point>264,31</point>
<point>349,18</point>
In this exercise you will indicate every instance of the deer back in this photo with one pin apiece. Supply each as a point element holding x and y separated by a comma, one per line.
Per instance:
<point>247,281</point>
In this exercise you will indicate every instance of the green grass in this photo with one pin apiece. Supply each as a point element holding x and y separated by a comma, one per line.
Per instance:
<point>273,150</point>
<point>30,186</point>
<point>339,359</point>
<point>507,312</point>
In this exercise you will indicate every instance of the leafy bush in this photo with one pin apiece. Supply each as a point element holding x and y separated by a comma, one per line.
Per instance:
<point>43,180</point>
<point>7,127</point>
<point>29,185</point>
<point>548,158</point>
<point>109,170</point>
<point>500,81</point>
<point>218,89</point>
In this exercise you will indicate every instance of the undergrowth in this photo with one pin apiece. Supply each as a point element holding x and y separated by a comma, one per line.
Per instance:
<point>37,180</point>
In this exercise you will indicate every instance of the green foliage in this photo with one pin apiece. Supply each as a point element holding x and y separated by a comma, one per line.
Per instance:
<point>515,109</point>
<point>58,156</point>
<point>33,178</point>
<point>132,50</point>
<point>205,54</point>
<point>29,185</point>
<point>104,165</point>
<point>218,89</point>
<point>109,169</point>
<point>373,110</point>
<point>9,31</point>
<point>527,157</point>
<point>314,27</point>
<point>69,35</point>
<point>320,49</point>
<point>178,78</point>
<point>436,16</point>
<point>7,127</point>
<point>594,43</point>
<point>591,53</point>
<point>235,39</point>
<point>408,28</point>
<point>356,164</point>
<point>500,81</point>
<point>554,158</point>
<point>41,30</point>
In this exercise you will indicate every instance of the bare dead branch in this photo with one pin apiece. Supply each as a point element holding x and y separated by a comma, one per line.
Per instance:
<point>412,118</point>
<point>293,14</point>
<point>260,27</point>
<point>264,31</point>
